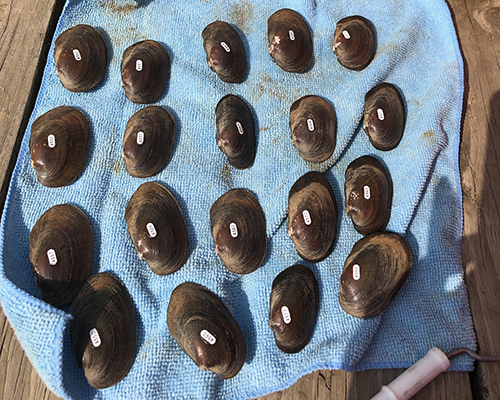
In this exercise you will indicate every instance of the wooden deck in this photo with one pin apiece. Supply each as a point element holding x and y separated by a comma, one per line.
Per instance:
<point>26,29</point>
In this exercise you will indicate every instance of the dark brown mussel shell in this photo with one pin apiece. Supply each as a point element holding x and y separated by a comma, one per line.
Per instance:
<point>289,39</point>
<point>354,42</point>
<point>81,58</point>
<point>61,253</point>
<point>312,216</point>
<point>314,128</point>
<point>373,273</point>
<point>293,308</point>
<point>235,131</point>
<point>368,193</point>
<point>157,228</point>
<point>225,52</point>
<point>384,116</point>
<point>147,142</point>
<point>238,227</point>
<point>205,329</point>
<point>58,145</point>
<point>103,330</point>
<point>145,69</point>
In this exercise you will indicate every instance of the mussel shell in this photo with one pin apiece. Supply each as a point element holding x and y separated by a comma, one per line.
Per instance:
<point>354,42</point>
<point>146,153</point>
<point>205,330</point>
<point>368,193</point>
<point>103,330</point>
<point>81,58</point>
<point>376,269</point>
<point>314,128</point>
<point>235,131</point>
<point>293,308</point>
<point>312,216</point>
<point>238,227</point>
<point>157,228</point>
<point>145,68</point>
<point>58,145</point>
<point>289,39</point>
<point>61,253</point>
<point>226,55</point>
<point>384,116</point>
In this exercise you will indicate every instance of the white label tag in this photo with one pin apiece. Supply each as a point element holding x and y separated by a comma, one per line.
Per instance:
<point>310,124</point>
<point>234,229</point>
<point>51,255</point>
<point>240,128</point>
<point>94,337</point>
<point>307,217</point>
<point>151,230</point>
<point>380,114</point>
<point>77,55</point>
<point>226,47</point>
<point>356,273</point>
<point>51,139</point>
<point>367,192</point>
<point>140,137</point>
<point>346,35</point>
<point>138,65</point>
<point>285,312</point>
<point>207,336</point>
<point>292,35</point>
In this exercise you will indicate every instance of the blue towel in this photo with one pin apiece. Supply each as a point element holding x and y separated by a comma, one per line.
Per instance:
<point>417,51</point>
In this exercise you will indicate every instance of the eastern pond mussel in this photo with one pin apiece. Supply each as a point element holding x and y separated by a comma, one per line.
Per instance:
<point>376,269</point>
<point>235,131</point>
<point>368,194</point>
<point>294,307</point>
<point>61,253</point>
<point>314,128</point>
<point>157,228</point>
<point>205,330</point>
<point>289,40</point>
<point>103,330</point>
<point>58,145</point>
<point>312,216</point>
<point>238,227</point>
<point>225,52</point>
<point>147,141</point>
<point>384,116</point>
<point>145,69</point>
<point>81,57</point>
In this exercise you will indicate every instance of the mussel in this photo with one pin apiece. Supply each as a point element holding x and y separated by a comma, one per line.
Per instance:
<point>103,330</point>
<point>384,116</point>
<point>205,330</point>
<point>368,194</point>
<point>354,42</point>
<point>314,128</point>
<point>147,142</point>
<point>235,131</point>
<point>61,253</point>
<point>225,52</point>
<point>81,57</point>
<point>238,227</point>
<point>157,228</point>
<point>373,273</point>
<point>290,42</point>
<point>293,308</point>
<point>145,69</point>
<point>312,216</point>
<point>58,145</point>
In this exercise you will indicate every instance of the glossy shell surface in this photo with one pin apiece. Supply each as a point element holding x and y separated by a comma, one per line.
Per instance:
<point>81,58</point>
<point>58,145</point>
<point>294,308</point>
<point>103,330</point>
<point>147,142</point>
<point>368,193</point>
<point>235,131</point>
<point>226,54</point>
<point>205,330</point>
<point>157,228</point>
<point>289,40</point>
<point>238,227</point>
<point>314,128</point>
<point>376,269</point>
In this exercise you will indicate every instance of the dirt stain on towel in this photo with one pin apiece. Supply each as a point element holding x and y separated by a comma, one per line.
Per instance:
<point>124,9</point>
<point>242,15</point>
